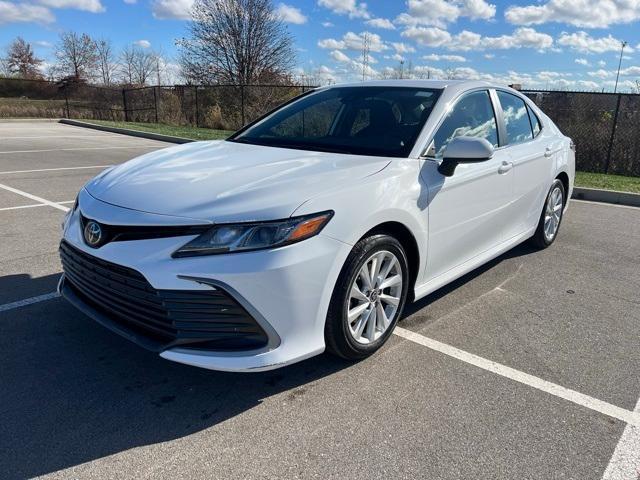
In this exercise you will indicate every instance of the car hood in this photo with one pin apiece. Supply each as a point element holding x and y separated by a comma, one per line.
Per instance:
<point>227,181</point>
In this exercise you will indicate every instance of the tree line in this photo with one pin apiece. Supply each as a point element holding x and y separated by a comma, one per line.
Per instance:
<point>226,41</point>
<point>79,57</point>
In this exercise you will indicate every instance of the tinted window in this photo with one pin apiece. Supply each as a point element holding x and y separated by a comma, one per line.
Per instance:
<point>381,121</point>
<point>516,118</point>
<point>472,116</point>
<point>535,122</point>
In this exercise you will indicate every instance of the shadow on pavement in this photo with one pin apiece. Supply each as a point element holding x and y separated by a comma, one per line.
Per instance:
<point>71,391</point>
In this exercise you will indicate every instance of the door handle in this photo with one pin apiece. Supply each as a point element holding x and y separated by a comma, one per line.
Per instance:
<point>505,167</point>
<point>548,152</point>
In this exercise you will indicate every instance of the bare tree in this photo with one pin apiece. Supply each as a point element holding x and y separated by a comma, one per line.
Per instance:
<point>76,56</point>
<point>21,61</point>
<point>107,64</point>
<point>137,66</point>
<point>236,41</point>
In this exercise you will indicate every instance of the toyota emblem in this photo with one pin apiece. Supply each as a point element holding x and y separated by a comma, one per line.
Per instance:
<point>92,234</point>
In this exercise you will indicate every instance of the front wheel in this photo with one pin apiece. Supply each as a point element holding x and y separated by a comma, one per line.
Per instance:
<point>551,216</point>
<point>368,298</point>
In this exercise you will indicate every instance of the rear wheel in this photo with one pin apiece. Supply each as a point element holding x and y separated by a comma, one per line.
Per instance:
<point>368,298</point>
<point>551,216</point>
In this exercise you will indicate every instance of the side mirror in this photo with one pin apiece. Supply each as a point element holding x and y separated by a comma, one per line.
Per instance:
<point>464,150</point>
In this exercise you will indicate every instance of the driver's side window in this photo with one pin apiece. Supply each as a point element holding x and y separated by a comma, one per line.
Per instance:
<point>472,116</point>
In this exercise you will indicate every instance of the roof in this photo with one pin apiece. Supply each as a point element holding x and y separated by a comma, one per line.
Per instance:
<point>438,84</point>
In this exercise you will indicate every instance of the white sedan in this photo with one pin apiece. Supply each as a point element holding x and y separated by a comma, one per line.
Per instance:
<point>311,228</point>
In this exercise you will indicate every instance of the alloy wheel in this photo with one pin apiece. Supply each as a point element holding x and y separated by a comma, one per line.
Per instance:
<point>374,297</point>
<point>553,213</point>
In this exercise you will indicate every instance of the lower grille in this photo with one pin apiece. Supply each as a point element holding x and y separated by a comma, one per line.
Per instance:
<point>125,301</point>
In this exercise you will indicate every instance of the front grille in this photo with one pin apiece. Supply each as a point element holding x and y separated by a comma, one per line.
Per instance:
<point>123,233</point>
<point>159,319</point>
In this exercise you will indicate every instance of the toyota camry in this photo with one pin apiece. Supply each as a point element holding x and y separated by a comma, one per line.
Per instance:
<point>311,228</point>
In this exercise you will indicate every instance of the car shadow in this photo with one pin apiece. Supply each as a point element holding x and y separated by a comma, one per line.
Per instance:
<point>73,392</point>
<point>521,250</point>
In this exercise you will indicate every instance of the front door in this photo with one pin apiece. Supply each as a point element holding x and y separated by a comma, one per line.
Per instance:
<point>467,211</point>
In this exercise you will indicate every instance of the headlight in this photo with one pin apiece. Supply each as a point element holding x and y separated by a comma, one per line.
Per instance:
<point>243,237</point>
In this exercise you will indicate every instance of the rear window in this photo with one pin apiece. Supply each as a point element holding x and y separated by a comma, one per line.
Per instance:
<point>535,122</point>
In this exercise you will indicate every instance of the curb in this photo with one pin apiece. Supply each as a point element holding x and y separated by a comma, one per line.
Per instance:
<point>28,119</point>
<point>606,196</point>
<point>125,131</point>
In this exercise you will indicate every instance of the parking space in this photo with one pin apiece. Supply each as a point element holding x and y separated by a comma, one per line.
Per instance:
<point>525,368</point>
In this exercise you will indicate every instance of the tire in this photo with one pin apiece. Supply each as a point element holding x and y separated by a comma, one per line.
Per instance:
<point>542,238</point>
<point>341,334</point>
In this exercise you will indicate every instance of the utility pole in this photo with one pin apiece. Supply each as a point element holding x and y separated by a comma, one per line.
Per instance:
<point>623,44</point>
<point>401,69</point>
<point>366,45</point>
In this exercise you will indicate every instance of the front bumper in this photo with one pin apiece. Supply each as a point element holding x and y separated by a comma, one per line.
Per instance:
<point>286,290</point>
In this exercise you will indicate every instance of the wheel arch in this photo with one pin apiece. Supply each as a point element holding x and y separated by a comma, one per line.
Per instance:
<point>407,239</point>
<point>564,178</point>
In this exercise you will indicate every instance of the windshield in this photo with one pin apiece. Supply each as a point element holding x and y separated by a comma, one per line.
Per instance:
<point>380,121</point>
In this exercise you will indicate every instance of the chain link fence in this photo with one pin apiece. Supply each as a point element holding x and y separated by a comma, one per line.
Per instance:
<point>604,126</point>
<point>226,107</point>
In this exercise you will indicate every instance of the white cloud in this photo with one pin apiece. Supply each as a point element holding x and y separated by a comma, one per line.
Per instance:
<point>354,41</point>
<point>489,56</point>
<point>581,13</point>
<point>383,23</point>
<point>172,9</point>
<point>440,12</point>
<point>331,43</point>
<point>427,36</point>
<point>327,24</point>
<point>600,73</point>
<point>400,47</point>
<point>43,44</point>
<point>602,63</point>
<point>444,58</point>
<point>130,2</point>
<point>19,12</point>
<point>582,61</point>
<point>338,56</point>
<point>346,7</point>
<point>633,71</point>
<point>466,40</point>
<point>583,42</point>
<point>93,6</point>
<point>142,43</point>
<point>290,14</point>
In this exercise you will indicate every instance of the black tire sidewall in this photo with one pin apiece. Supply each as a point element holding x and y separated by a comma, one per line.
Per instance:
<point>342,342</point>
<point>541,238</point>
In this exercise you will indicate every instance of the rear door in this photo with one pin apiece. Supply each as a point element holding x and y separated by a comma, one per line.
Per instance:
<point>532,159</point>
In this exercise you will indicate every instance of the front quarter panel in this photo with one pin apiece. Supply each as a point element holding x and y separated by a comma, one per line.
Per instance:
<point>391,195</point>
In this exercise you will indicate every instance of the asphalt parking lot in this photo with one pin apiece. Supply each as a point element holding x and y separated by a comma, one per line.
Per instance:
<point>527,368</point>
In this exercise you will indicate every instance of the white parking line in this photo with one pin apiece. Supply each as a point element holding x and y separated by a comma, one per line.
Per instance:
<point>35,198</point>
<point>28,301</point>
<point>53,169</point>
<point>625,462</point>
<point>627,416</point>
<point>4,209</point>
<point>79,149</point>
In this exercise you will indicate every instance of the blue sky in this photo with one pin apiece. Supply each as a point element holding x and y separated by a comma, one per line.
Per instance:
<point>539,43</point>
